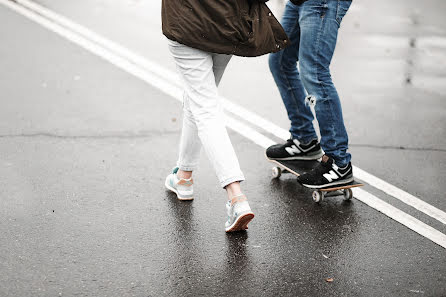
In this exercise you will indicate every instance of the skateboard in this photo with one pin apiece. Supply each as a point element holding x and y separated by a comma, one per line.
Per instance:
<point>298,167</point>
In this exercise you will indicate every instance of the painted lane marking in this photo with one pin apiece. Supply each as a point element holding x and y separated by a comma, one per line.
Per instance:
<point>401,195</point>
<point>175,92</point>
<point>173,88</point>
<point>400,216</point>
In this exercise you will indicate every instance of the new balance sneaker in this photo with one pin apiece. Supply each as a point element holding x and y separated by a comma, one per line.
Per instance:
<point>239,214</point>
<point>327,174</point>
<point>294,150</point>
<point>182,187</point>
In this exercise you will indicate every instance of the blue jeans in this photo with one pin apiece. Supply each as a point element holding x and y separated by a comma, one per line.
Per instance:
<point>312,28</point>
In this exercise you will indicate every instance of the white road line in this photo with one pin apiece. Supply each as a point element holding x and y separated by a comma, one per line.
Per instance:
<point>38,14</point>
<point>401,217</point>
<point>160,76</point>
<point>401,195</point>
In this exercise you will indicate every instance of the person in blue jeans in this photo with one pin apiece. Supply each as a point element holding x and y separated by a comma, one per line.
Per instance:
<point>312,26</point>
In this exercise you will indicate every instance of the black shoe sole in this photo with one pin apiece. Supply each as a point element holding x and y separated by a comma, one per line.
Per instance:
<point>304,158</point>
<point>339,183</point>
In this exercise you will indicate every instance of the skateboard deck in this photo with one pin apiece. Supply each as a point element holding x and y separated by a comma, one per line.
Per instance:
<point>298,167</point>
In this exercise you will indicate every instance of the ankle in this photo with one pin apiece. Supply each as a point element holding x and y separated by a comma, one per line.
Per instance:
<point>184,174</point>
<point>325,158</point>
<point>233,190</point>
<point>236,196</point>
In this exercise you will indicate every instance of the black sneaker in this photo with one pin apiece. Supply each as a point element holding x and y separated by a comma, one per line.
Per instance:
<point>327,174</point>
<point>293,150</point>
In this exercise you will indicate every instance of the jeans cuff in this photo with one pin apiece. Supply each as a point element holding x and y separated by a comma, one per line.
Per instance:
<point>306,139</point>
<point>339,162</point>
<point>227,181</point>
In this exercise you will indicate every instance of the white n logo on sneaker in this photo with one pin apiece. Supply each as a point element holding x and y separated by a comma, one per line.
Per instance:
<point>330,176</point>
<point>292,150</point>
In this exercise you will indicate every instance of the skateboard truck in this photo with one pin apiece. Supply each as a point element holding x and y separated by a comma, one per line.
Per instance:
<point>319,195</point>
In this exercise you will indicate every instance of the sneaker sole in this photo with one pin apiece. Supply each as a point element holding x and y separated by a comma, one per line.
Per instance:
<point>241,223</point>
<point>304,158</point>
<point>178,196</point>
<point>340,183</point>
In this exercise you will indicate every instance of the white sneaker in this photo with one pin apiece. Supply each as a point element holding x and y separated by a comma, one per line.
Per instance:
<point>239,214</point>
<point>184,188</point>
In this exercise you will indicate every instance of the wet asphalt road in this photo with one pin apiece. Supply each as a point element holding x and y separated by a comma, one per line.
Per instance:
<point>381,45</point>
<point>85,147</point>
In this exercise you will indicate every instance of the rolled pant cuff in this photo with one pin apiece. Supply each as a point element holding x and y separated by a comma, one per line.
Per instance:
<point>186,168</point>
<point>231,180</point>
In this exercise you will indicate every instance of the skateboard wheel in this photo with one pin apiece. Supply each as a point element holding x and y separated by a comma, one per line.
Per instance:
<point>317,196</point>
<point>348,194</point>
<point>276,172</point>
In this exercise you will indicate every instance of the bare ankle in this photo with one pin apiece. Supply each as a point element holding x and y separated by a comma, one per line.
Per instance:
<point>233,190</point>
<point>184,174</point>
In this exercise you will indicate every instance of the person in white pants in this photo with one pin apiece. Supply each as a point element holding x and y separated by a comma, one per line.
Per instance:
<point>203,36</point>
<point>204,125</point>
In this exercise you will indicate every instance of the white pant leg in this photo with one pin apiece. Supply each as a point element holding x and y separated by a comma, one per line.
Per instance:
<point>190,145</point>
<point>203,107</point>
